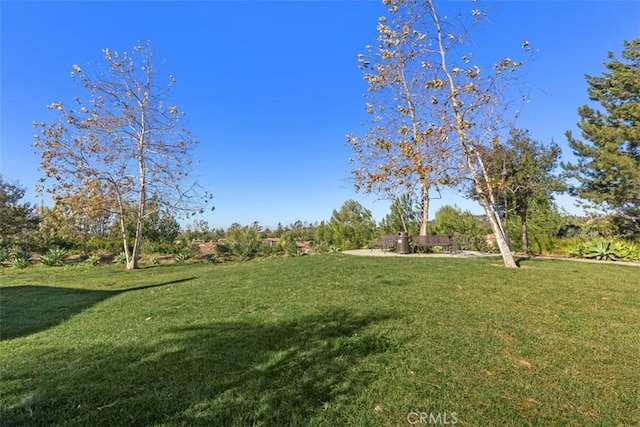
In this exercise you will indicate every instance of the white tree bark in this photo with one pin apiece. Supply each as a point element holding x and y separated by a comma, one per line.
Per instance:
<point>472,157</point>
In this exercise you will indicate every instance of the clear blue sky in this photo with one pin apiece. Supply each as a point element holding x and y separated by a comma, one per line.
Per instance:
<point>271,88</point>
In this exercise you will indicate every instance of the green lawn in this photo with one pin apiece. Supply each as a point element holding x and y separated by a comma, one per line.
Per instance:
<point>326,340</point>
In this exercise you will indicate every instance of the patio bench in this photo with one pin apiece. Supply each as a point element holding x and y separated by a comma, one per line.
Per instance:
<point>433,240</point>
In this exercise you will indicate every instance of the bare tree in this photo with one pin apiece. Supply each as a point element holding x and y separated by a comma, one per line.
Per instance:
<point>125,140</point>
<point>465,109</point>
<point>475,114</point>
<point>404,148</point>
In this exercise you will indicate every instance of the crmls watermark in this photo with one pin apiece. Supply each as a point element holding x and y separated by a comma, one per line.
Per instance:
<point>434,418</point>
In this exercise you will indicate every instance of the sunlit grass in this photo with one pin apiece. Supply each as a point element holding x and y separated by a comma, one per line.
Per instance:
<point>322,340</point>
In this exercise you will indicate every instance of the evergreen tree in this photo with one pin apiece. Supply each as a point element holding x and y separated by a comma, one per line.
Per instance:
<point>16,217</point>
<point>607,172</point>
<point>522,172</point>
<point>352,226</point>
<point>405,215</point>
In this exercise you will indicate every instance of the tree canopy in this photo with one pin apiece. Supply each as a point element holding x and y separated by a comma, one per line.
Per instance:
<point>120,146</point>
<point>607,172</point>
<point>404,215</point>
<point>350,227</point>
<point>522,171</point>
<point>450,104</point>
<point>405,147</point>
<point>16,217</point>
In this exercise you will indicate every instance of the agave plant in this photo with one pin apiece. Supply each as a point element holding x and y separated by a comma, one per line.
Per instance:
<point>578,250</point>
<point>20,262</point>
<point>55,256</point>
<point>627,251</point>
<point>212,258</point>
<point>121,258</point>
<point>93,260</point>
<point>183,256</point>
<point>602,250</point>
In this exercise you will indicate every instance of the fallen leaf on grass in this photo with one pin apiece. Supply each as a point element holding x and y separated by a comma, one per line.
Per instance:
<point>530,400</point>
<point>378,408</point>
<point>524,363</point>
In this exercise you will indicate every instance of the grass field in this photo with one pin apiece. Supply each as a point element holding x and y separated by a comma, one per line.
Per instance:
<point>327,340</point>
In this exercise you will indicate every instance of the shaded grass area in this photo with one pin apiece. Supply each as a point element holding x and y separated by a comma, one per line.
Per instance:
<point>26,309</point>
<point>324,340</point>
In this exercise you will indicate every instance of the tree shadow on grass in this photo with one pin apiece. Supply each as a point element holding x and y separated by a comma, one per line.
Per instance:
<point>28,309</point>
<point>240,373</point>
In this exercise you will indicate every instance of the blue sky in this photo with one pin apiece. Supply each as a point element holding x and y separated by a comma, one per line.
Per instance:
<point>271,88</point>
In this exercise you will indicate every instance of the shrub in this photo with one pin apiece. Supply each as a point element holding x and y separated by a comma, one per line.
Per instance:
<point>244,242</point>
<point>154,261</point>
<point>103,243</point>
<point>20,262</point>
<point>628,251</point>
<point>601,250</point>
<point>466,229</point>
<point>212,258</point>
<point>121,258</point>
<point>320,247</point>
<point>93,260</point>
<point>183,256</point>
<point>17,252</point>
<point>54,257</point>
<point>288,245</point>
<point>4,254</point>
<point>563,245</point>
<point>578,250</point>
<point>610,250</point>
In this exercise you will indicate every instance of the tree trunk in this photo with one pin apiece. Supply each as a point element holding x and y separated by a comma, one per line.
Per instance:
<point>132,263</point>
<point>525,230</point>
<point>425,211</point>
<point>499,233</point>
<point>484,192</point>
<point>123,229</point>
<point>401,214</point>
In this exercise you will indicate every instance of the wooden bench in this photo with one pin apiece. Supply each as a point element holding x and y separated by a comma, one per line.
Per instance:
<point>388,240</point>
<point>433,240</point>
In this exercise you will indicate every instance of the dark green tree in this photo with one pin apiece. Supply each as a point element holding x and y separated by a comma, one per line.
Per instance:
<point>352,226</point>
<point>607,172</point>
<point>17,218</point>
<point>522,171</point>
<point>466,229</point>
<point>405,215</point>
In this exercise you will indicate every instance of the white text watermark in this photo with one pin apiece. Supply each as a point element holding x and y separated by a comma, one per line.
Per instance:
<point>432,418</point>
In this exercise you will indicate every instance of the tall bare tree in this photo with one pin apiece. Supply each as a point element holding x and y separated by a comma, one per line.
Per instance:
<point>404,147</point>
<point>126,140</point>
<point>467,108</point>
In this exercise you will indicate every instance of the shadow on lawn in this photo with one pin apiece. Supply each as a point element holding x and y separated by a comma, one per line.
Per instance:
<point>29,309</point>
<point>214,374</point>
